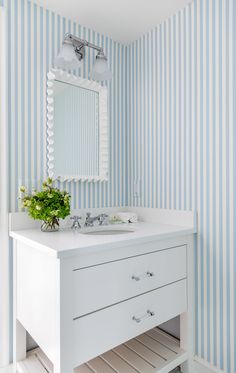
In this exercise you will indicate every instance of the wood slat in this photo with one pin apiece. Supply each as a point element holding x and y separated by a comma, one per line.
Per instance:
<point>99,366</point>
<point>83,369</point>
<point>152,352</point>
<point>30,365</point>
<point>170,343</point>
<point>167,336</point>
<point>117,363</point>
<point>145,353</point>
<point>172,364</point>
<point>156,347</point>
<point>44,360</point>
<point>134,359</point>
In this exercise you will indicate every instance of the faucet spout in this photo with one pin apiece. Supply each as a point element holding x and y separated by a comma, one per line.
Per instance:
<point>89,221</point>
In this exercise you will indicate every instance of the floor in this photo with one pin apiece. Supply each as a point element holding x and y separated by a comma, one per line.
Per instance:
<point>7,369</point>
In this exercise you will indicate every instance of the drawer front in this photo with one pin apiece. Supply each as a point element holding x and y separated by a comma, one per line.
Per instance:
<point>100,331</point>
<point>103,285</point>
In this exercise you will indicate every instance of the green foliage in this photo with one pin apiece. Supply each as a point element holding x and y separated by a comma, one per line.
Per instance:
<point>50,204</point>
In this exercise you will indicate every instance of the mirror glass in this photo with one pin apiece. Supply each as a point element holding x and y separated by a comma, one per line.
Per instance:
<point>76,130</point>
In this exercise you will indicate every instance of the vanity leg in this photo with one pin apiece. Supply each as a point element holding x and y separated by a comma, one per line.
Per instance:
<point>19,332</point>
<point>62,367</point>
<point>187,320</point>
<point>186,341</point>
<point>58,369</point>
<point>19,344</point>
<point>187,367</point>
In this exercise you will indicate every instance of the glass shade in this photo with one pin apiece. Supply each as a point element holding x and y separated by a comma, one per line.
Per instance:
<point>101,70</point>
<point>67,59</point>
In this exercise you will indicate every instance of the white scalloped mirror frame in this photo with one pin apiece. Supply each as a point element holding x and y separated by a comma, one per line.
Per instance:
<point>62,76</point>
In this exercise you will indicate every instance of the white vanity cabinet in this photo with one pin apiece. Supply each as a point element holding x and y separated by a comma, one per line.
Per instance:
<point>103,301</point>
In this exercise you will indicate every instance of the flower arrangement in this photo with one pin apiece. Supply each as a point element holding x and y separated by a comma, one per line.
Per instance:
<point>49,205</point>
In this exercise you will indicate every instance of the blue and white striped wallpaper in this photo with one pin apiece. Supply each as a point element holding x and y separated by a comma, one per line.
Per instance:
<point>35,36</point>
<point>181,148</point>
<point>172,102</point>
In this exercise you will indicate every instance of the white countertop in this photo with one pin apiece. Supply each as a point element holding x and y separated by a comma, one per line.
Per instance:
<point>71,242</point>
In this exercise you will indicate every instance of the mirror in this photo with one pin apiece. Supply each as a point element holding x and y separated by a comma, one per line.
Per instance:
<point>76,128</point>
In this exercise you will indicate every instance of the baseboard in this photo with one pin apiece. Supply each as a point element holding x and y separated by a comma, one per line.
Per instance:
<point>202,366</point>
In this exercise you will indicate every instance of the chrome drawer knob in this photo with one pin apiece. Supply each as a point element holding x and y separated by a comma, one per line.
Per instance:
<point>150,274</point>
<point>136,319</point>
<point>147,315</point>
<point>150,313</point>
<point>136,278</point>
<point>146,274</point>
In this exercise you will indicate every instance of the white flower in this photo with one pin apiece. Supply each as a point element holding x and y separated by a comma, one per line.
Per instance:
<point>22,189</point>
<point>34,191</point>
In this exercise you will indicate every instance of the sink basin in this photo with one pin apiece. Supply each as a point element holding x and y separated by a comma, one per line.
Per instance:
<point>107,232</point>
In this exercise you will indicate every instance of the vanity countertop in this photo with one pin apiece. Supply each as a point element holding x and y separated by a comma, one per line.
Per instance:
<point>69,242</point>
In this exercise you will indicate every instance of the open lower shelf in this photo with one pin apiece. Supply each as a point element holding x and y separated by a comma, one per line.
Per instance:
<point>152,352</point>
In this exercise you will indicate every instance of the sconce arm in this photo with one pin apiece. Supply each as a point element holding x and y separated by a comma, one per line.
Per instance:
<point>80,43</point>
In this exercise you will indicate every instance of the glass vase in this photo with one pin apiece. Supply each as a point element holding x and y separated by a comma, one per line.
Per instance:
<point>50,226</point>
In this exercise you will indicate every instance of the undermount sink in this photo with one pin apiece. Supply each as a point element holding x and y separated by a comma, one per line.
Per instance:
<point>107,232</point>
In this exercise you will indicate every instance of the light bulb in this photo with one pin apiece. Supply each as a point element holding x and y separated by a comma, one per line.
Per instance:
<point>67,59</point>
<point>100,68</point>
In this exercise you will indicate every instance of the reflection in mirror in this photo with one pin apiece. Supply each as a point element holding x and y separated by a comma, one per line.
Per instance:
<point>76,130</point>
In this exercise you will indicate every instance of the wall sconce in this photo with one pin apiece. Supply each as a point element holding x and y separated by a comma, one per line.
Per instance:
<point>72,53</point>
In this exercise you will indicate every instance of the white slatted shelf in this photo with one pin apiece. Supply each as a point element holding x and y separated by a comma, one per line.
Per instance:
<point>152,352</point>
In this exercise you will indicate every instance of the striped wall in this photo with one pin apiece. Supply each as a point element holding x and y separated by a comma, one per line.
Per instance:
<point>181,141</point>
<point>35,36</point>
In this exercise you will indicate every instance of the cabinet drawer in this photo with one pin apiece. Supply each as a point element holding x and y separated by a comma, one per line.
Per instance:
<point>100,331</point>
<point>97,287</point>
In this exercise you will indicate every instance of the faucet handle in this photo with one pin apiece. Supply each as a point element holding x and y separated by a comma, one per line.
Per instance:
<point>101,218</point>
<point>75,224</point>
<point>75,217</point>
<point>103,215</point>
